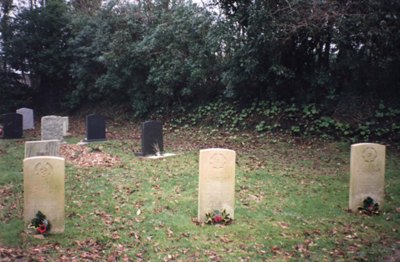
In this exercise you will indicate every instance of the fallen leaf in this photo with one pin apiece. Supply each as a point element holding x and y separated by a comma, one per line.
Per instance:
<point>170,233</point>
<point>225,239</point>
<point>283,225</point>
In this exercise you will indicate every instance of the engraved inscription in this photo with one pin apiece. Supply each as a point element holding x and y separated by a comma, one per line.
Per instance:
<point>369,171</point>
<point>35,207</point>
<point>43,169</point>
<point>43,154</point>
<point>43,187</point>
<point>218,161</point>
<point>369,154</point>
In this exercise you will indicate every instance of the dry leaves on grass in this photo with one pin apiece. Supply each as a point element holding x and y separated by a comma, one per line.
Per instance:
<point>84,156</point>
<point>8,204</point>
<point>86,250</point>
<point>36,253</point>
<point>5,192</point>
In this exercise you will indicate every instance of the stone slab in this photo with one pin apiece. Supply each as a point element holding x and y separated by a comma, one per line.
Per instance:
<point>65,125</point>
<point>165,155</point>
<point>216,182</point>
<point>42,148</point>
<point>52,128</point>
<point>152,138</point>
<point>44,178</point>
<point>12,126</point>
<point>367,174</point>
<point>95,128</point>
<point>27,118</point>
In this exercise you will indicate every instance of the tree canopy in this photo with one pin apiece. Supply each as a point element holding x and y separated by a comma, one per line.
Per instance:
<point>149,54</point>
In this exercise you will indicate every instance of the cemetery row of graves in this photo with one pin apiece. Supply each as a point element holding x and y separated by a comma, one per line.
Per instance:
<point>192,194</point>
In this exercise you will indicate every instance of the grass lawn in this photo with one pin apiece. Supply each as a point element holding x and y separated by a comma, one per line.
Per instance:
<point>291,202</point>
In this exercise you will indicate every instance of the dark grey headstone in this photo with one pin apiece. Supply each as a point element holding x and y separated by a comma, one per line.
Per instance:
<point>95,128</point>
<point>12,125</point>
<point>152,138</point>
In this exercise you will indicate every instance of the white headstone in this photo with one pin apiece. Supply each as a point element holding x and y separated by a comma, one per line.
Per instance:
<point>27,118</point>
<point>216,182</point>
<point>44,190</point>
<point>367,174</point>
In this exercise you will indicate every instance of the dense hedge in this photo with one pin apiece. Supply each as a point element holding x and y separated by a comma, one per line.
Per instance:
<point>161,54</point>
<point>378,123</point>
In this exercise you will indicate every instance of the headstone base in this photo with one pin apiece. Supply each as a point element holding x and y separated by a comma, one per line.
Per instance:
<point>93,140</point>
<point>140,155</point>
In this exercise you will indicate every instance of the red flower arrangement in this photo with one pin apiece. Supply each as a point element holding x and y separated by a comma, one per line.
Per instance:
<point>370,207</point>
<point>218,217</point>
<point>42,229</point>
<point>40,224</point>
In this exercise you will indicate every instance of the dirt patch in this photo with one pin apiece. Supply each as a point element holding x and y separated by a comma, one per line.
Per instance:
<point>84,156</point>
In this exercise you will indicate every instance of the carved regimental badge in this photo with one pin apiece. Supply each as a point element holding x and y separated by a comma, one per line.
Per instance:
<point>217,161</point>
<point>369,154</point>
<point>43,169</point>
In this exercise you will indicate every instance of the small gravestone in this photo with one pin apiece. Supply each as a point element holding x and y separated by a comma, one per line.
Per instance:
<point>27,118</point>
<point>65,125</point>
<point>216,182</point>
<point>12,125</point>
<point>42,148</point>
<point>52,128</point>
<point>152,138</point>
<point>95,128</point>
<point>367,174</point>
<point>44,190</point>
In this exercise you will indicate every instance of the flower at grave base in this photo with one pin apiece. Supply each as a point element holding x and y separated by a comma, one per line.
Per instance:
<point>369,207</point>
<point>217,219</point>
<point>41,229</point>
<point>40,224</point>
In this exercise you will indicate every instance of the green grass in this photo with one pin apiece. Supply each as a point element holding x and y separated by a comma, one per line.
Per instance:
<point>291,203</point>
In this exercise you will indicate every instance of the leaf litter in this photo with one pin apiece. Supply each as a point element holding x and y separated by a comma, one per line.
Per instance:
<point>84,156</point>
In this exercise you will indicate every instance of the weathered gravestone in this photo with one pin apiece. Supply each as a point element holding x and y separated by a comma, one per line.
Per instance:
<point>216,182</point>
<point>367,174</point>
<point>12,125</point>
<point>65,125</point>
<point>44,190</point>
<point>95,128</point>
<point>52,128</point>
<point>42,148</point>
<point>27,118</point>
<point>152,138</point>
